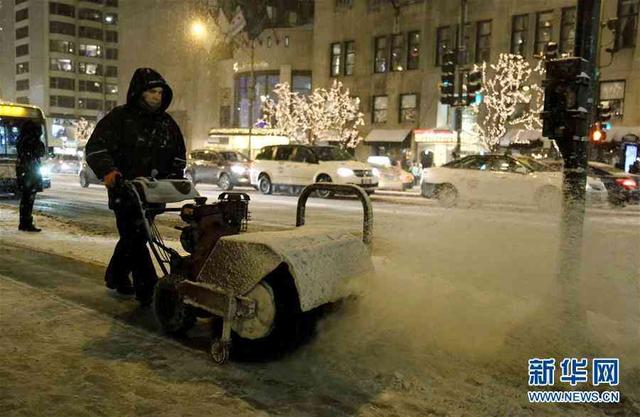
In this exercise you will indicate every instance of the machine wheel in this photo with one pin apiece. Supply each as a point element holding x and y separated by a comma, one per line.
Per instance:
<point>84,181</point>
<point>173,316</point>
<point>224,182</point>
<point>324,193</point>
<point>447,195</point>
<point>549,199</point>
<point>290,326</point>
<point>264,184</point>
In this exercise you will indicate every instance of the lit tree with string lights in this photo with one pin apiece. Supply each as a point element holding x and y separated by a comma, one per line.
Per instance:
<point>511,99</point>
<point>83,130</point>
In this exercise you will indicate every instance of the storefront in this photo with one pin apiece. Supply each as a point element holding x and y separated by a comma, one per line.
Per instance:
<point>442,142</point>
<point>240,140</point>
<point>394,143</point>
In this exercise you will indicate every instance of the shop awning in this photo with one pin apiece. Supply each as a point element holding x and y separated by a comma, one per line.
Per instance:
<point>387,135</point>
<point>617,133</point>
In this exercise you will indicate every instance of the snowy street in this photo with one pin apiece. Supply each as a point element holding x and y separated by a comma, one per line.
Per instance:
<point>461,299</point>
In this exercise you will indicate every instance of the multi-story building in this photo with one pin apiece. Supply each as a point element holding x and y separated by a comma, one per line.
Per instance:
<point>390,58</point>
<point>65,59</point>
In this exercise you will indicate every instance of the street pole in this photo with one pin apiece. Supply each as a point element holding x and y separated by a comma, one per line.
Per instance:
<point>460,54</point>
<point>252,92</point>
<point>574,154</point>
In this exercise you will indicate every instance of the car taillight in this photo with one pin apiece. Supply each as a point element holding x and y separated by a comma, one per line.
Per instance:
<point>627,183</point>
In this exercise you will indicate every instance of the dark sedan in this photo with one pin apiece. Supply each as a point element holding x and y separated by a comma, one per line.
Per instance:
<point>227,169</point>
<point>622,187</point>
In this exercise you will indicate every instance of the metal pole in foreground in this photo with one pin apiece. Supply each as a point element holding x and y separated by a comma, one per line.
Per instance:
<point>574,154</point>
<point>252,93</point>
<point>461,54</point>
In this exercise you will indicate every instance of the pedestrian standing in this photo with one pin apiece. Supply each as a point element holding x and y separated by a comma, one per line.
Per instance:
<point>138,139</point>
<point>29,180</point>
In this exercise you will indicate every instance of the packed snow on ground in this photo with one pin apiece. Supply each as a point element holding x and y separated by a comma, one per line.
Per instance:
<point>444,328</point>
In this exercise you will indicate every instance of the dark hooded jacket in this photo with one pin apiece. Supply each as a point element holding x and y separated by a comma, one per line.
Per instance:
<point>136,140</point>
<point>29,151</point>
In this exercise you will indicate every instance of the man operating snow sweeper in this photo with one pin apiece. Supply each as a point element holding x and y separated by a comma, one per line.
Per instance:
<point>138,139</point>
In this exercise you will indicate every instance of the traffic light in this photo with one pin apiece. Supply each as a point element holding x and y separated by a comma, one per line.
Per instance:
<point>597,134</point>
<point>566,101</point>
<point>604,113</point>
<point>474,85</point>
<point>447,86</point>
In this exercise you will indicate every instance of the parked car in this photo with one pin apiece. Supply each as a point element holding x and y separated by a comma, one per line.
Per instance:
<point>500,178</point>
<point>63,164</point>
<point>86,175</point>
<point>622,187</point>
<point>293,166</point>
<point>391,176</point>
<point>227,169</point>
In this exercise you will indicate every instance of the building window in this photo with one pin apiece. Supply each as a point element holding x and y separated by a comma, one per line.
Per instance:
<point>111,18</point>
<point>413,51</point>
<point>519,32</point>
<point>110,104</point>
<point>264,85</point>
<point>112,71</point>
<point>287,41</point>
<point>111,3</point>
<point>343,4</point>
<point>381,54</point>
<point>62,101</point>
<point>62,83</point>
<point>374,5</point>
<point>225,116</point>
<point>22,32</point>
<point>112,36</point>
<point>90,86</point>
<point>349,57</point>
<point>380,107</point>
<point>61,64</point>
<point>544,31</point>
<point>444,42</point>
<point>301,83</point>
<point>22,68</point>
<point>568,31</point>
<point>65,47</point>
<point>20,1</point>
<point>92,51</point>
<point>90,104</point>
<point>89,32</point>
<point>612,95</point>
<point>22,14</point>
<point>465,54</point>
<point>89,68</point>
<point>90,14</point>
<point>22,50</point>
<point>112,89</point>
<point>398,50</point>
<point>112,53</point>
<point>408,108</point>
<point>62,9</point>
<point>627,23</point>
<point>22,85</point>
<point>22,100</point>
<point>62,28</point>
<point>483,41</point>
<point>336,59</point>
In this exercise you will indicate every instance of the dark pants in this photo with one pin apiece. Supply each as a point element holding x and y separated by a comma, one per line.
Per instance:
<point>26,207</point>
<point>131,254</point>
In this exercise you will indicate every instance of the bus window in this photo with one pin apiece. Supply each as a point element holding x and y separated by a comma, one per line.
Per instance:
<point>9,132</point>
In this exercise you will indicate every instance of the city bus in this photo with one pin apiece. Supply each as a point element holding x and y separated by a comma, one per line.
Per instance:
<point>12,117</point>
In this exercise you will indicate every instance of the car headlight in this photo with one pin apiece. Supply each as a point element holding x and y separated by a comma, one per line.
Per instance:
<point>237,169</point>
<point>45,171</point>
<point>345,172</point>
<point>376,172</point>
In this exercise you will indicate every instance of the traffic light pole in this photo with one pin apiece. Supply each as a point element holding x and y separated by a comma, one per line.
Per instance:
<point>461,52</point>
<point>574,153</point>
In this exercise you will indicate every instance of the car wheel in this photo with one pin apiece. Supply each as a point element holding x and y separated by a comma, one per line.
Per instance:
<point>84,181</point>
<point>264,184</point>
<point>549,199</point>
<point>427,190</point>
<point>224,182</point>
<point>447,195</point>
<point>324,193</point>
<point>189,175</point>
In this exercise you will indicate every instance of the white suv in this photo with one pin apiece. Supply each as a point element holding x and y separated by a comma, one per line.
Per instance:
<point>294,166</point>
